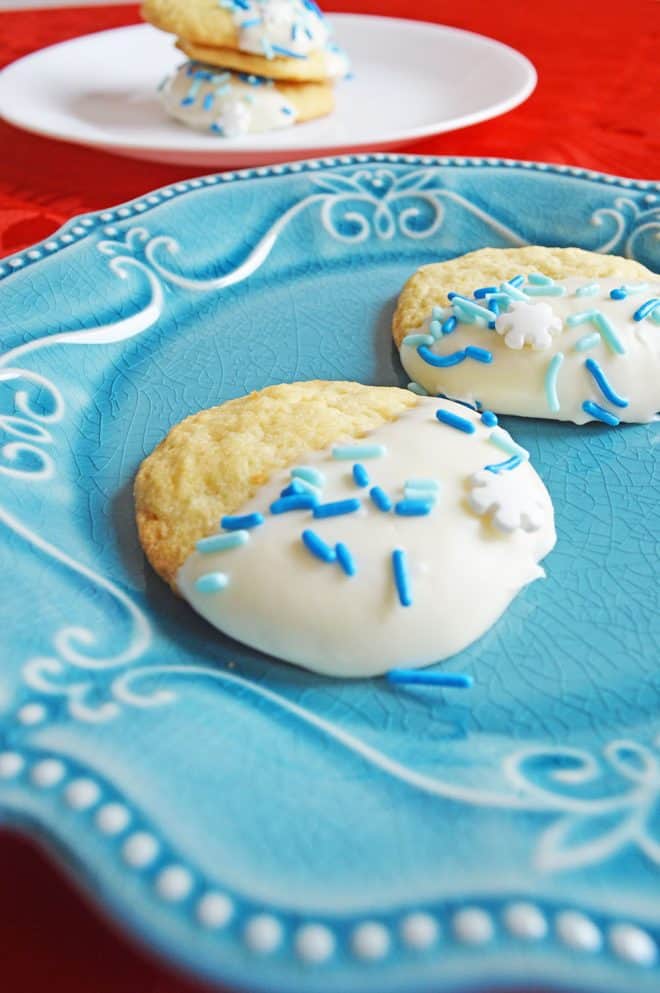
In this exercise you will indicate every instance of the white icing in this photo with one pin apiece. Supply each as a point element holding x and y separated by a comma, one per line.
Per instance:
<point>532,323</point>
<point>214,910</point>
<point>293,25</point>
<point>82,794</point>
<point>314,943</point>
<point>578,931</point>
<point>515,381</point>
<point>464,572</point>
<point>238,107</point>
<point>473,926</point>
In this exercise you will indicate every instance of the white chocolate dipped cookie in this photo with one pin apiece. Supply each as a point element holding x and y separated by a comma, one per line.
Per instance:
<point>539,332</point>
<point>344,528</point>
<point>231,104</point>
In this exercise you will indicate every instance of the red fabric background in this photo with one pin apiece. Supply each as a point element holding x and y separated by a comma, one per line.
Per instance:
<point>596,105</point>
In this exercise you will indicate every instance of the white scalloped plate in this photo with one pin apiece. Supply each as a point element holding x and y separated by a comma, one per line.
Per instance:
<point>411,79</point>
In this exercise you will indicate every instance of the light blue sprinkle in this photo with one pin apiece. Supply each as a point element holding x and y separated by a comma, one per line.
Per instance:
<point>505,442</point>
<point>455,358</point>
<point>588,290</point>
<point>417,389</point>
<point>222,542</point>
<point>574,320</point>
<point>345,559</point>
<point>250,23</point>
<point>546,291</point>
<point>447,680</point>
<point>586,342</point>
<point>604,385</point>
<point>608,332</point>
<point>631,288</point>
<point>646,309</point>
<point>401,577</point>
<point>360,475</point>
<point>600,414</point>
<point>380,498</point>
<point>299,501</point>
<point>241,522</point>
<point>208,101</point>
<point>454,421</point>
<point>423,484</point>
<point>538,279</point>
<point>316,545</point>
<point>357,452</point>
<point>435,329</point>
<point>489,418</point>
<point>507,466</point>
<point>308,474</point>
<point>287,52</point>
<point>267,48</point>
<point>504,298</point>
<point>438,313</point>
<point>337,508</point>
<point>462,305</point>
<point>426,496</point>
<point>212,582</point>
<point>413,508</point>
<point>554,365</point>
<point>414,340</point>
<point>511,290</point>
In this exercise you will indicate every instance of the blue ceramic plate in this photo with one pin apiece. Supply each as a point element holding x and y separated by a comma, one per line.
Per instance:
<point>263,826</point>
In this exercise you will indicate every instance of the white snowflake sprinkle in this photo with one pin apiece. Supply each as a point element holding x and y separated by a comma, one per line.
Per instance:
<point>528,324</point>
<point>505,496</point>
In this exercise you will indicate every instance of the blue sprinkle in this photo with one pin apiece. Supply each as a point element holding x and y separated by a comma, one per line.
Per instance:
<point>494,308</point>
<point>448,680</point>
<point>251,23</point>
<point>413,340</point>
<point>187,101</point>
<point>316,545</point>
<point>360,475</point>
<point>603,384</point>
<point>423,484</point>
<point>554,365</point>
<point>413,508</point>
<point>455,358</point>
<point>294,488</point>
<point>286,110</point>
<point>507,466</point>
<point>308,474</point>
<point>401,577</point>
<point>358,451</point>
<point>587,341</point>
<point>538,279</point>
<point>483,290</point>
<point>242,522</point>
<point>287,52</point>
<point>450,325</point>
<point>222,542</point>
<point>489,418</point>
<point>417,389</point>
<point>511,290</point>
<point>299,501</point>
<point>208,101</point>
<point>212,582</point>
<point>588,290</point>
<point>504,298</point>
<point>380,498</point>
<point>454,421</point>
<point>546,291</point>
<point>337,508</point>
<point>463,306</point>
<point>618,294</point>
<point>267,48</point>
<point>647,308</point>
<point>345,559</point>
<point>505,442</point>
<point>600,414</point>
<point>516,281</point>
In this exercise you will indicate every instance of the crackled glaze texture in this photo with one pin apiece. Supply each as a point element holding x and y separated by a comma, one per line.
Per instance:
<point>521,815</point>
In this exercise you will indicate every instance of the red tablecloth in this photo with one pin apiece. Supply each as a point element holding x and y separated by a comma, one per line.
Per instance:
<point>596,106</point>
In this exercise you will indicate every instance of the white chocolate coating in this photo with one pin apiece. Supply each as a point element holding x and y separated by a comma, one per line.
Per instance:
<point>518,379</point>
<point>464,568</point>
<point>295,26</point>
<point>226,103</point>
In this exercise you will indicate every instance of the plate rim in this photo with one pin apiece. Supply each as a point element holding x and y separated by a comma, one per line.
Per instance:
<point>77,227</point>
<point>128,146</point>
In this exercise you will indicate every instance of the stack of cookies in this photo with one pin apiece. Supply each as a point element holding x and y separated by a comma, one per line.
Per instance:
<point>253,65</point>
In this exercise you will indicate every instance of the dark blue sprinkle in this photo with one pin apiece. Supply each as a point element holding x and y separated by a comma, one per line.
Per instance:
<point>647,308</point>
<point>293,488</point>
<point>618,294</point>
<point>454,421</point>
<point>241,522</point>
<point>413,508</point>
<point>360,475</point>
<point>299,501</point>
<point>484,291</point>
<point>380,498</point>
<point>516,281</point>
<point>450,325</point>
<point>600,414</point>
<point>337,508</point>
